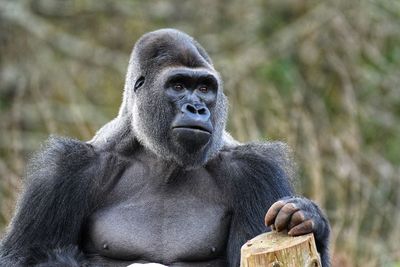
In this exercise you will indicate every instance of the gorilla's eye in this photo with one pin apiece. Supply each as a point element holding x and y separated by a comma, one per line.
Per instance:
<point>178,87</point>
<point>203,89</point>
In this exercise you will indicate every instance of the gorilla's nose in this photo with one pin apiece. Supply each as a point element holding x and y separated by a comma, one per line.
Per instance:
<point>196,111</point>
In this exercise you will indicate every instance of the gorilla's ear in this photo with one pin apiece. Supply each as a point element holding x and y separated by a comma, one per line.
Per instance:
<point>139,82</point>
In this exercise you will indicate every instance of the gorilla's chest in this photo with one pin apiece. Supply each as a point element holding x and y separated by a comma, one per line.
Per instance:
<point>145,219</point>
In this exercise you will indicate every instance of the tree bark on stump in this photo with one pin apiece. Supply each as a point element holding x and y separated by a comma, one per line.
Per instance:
<point>275,249</point>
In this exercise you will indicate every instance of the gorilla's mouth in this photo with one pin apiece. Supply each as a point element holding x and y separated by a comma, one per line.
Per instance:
<point>191,137</point>
<point>194,128</point>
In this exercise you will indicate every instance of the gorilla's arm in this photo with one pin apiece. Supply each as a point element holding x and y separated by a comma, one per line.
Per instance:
<point>261,178</point>
<point>60,192</point>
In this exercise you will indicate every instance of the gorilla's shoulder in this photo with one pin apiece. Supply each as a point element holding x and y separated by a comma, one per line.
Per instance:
<point>72,166</point>
<point>59,158</point>
<point>258,160</point>
<point>276,151</point>
<point>272,149</point>
<point>64,150</point>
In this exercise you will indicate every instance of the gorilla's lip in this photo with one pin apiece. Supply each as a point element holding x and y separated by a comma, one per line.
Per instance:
<point>192,128</point>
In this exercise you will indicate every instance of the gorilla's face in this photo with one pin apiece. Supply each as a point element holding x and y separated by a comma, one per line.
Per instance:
<point>179,109</point>
<point>192,93</point>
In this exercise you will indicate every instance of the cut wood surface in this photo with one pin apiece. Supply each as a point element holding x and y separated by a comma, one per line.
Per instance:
<point>275,249</point>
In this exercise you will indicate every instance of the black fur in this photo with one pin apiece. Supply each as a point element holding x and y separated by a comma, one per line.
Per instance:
<point>69,256</point>
<point>68,176</point>
<point>258,181</point>
<point>62,189</point>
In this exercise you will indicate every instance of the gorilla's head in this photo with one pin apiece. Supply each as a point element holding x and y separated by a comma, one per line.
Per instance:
<point>174,98</point>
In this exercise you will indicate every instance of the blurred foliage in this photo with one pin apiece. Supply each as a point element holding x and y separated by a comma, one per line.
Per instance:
<point>320,75</point>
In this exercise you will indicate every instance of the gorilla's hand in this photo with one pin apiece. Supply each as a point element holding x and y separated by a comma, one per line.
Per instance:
<point>298,216</point>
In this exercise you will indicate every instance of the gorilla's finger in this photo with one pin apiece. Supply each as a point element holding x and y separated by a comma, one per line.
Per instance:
<point>273,211</point>
<point>302,229</point>
<point>297,218</point>
<point>284,215</point>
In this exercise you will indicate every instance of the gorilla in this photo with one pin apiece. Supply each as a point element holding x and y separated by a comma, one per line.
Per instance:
<point>161,183</point>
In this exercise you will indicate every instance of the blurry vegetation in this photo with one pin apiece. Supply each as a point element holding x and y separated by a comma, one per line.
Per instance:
<point>323,76</point>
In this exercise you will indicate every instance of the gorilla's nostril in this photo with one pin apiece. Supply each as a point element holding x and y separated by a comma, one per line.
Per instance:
<point>191,109</point>
<point>202,111</point>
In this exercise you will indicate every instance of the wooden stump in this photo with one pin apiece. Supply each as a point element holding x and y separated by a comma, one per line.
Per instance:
<point>275,249</point>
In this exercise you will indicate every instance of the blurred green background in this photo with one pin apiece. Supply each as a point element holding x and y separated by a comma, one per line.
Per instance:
<point>323,76</point>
